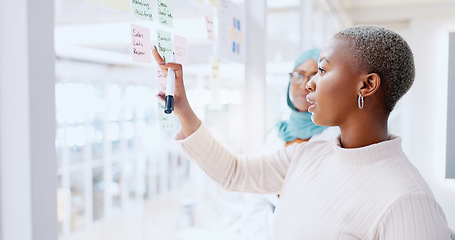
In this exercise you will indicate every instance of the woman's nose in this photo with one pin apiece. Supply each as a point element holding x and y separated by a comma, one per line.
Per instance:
<point>310,85</point>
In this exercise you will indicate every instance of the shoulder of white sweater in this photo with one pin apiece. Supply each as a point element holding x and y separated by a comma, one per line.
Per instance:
<point>328,134</point>
<point>273,143</point>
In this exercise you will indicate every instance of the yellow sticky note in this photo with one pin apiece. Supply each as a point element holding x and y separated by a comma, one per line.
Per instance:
<point>215,69</point>
<point>215,3</point>
<point>123,5</point>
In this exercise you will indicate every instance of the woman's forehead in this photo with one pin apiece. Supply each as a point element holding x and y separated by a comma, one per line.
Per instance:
<point>336,50</point>
<point>308,65</point>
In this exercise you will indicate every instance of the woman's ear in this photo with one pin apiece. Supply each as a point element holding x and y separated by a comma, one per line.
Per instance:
<point>371,84</point>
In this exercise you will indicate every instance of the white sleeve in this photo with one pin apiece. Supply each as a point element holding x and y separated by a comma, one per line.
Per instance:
<point>416,216</point>
<point>257,174</point>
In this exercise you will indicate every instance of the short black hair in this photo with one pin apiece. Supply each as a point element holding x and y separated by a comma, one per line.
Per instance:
<point>385,52</point>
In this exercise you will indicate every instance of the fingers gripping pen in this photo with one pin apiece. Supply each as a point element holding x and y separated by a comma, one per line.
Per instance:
<point>170,85</point>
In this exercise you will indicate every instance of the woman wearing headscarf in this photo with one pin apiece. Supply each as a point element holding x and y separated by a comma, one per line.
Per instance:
<point>299,127</point>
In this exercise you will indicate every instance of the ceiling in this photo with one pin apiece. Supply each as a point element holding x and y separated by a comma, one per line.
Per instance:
<point>81,24</point>
<point>396,11</point>
<point>358,11</point>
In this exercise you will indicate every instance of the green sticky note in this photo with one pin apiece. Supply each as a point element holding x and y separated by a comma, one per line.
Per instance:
<point>166,121</point>
<point>165,12</point>
<point>164,44</point>
<point>142,9</point>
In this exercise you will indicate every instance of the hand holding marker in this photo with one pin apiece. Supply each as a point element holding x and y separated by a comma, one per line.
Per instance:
<point>170,86</point>
<point>188,120</point>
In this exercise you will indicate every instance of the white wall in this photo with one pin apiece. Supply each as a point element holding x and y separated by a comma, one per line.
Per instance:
<point>424,109</point>
<point>27,123</point>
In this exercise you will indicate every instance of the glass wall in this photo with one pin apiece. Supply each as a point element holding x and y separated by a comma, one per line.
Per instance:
<point>112,154</point>
<point>114,158</point>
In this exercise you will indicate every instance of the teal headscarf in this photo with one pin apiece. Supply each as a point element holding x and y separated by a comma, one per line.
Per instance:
<point>299,124</point>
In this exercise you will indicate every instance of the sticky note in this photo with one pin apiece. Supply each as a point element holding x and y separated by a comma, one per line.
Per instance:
<point>123,5</point>
<point>142,9</point>
<point>141,45</point>
<point>215,3</point>
<point>165,12</point>
<point>161,80</point>
<point>164,45</point>
<point>210,28</point>
<point>231,32</point>
<point>215,63</point>
<point>180,50</point>
<point>166,121</point>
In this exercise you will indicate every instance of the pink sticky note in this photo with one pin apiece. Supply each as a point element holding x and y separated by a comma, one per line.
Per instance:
<point>210,28</point>
<point>161,81</point>
<point>141,45</point>
<point>180,50</point>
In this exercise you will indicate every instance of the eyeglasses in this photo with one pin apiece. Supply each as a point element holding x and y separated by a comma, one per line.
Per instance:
<point>298,77</point>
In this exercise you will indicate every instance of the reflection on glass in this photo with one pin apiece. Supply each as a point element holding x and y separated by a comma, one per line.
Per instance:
<point>61,208</point>
<point>114,99</point>
<point>98,193</point>
<point>76,154</point>
<point>99,104</point>
<point>114,136</point>
<point>75,139</point>
<point>130,100</point>
<point>105,119</point>
<point>115,186</point>
<point>128,130</point>
<point>77,200</point>
<point>90,108</point>
<point>97,141</point>
<point>59,144</point>
<point>131,176</point>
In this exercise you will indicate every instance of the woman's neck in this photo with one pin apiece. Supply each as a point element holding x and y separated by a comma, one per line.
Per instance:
<point>364,131</point>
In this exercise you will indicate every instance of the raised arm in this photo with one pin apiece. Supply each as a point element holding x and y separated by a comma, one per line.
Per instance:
<point>182,109</point>
<point>260,174</point>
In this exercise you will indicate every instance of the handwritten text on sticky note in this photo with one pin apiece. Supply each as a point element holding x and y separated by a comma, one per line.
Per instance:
<point>140,39</point>
<point>142,9</point>
<point>180,50</point>
<point>165,12</point>
<point>164,44</point>
<point>166,121</point>
<point>210,28</point>
<point>161,81</point>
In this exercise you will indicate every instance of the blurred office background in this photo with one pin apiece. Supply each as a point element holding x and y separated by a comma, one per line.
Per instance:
<point>82,152</point>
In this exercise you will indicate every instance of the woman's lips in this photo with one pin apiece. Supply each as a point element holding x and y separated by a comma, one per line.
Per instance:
<point>312,102</point>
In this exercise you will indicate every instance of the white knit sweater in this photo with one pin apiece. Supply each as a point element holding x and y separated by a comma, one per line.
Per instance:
<point>329,192</point>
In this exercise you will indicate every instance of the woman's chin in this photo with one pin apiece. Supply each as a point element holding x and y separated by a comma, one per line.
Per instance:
<point>314,118</point>
<point>302,107</point>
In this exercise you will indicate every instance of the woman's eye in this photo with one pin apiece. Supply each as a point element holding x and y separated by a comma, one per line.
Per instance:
<point>321,70</point>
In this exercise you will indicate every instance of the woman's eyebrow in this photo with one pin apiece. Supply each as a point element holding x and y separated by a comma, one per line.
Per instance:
<point>304,71</point>
<point>324,58</point>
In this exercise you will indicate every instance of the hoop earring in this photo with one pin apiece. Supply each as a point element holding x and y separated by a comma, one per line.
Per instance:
<point>360,101</point>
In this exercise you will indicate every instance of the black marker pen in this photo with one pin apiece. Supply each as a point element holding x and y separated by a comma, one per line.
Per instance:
<point>170,86</point>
